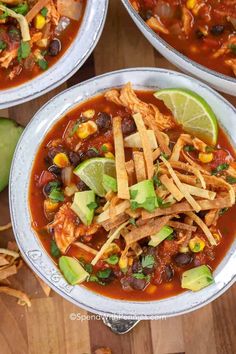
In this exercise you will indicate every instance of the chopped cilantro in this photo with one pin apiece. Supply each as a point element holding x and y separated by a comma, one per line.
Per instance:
<point>148,261</point>
<point>132,221</point>
<point>104,274</point>
<point>55,252</point>
<point>43,64</point>
<point>95,279</point>
<point>209,149</point>
<point>219,168</point>
<point>88,267</point>
<point>189,148</point>
<point>139,275</point>
<point>4,15</point>
<point>92,205</point>
<point>56,195</point>
<point>21,9</point>
<point>3,45</point>
<point>232,47</point>
<point>114,259</point>
<point>223,210</point>
<point>156,181</point>
<point>230,179</point>
<point>44,11</point>
<point>23,51</point>
<point>166,157</point>
<point>133,193</point>
<point>104,148</point>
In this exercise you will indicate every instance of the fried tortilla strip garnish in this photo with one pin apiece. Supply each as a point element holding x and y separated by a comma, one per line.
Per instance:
<point>85,248</point>
<point>121,174</point>
<point>199,192</point>
<point>182,207</point>
<point>139,165</point>
<point>23,298</point>
<point>217,182</point>
<point>147,229</point>
<point>203,226</point>
<point>147,150</point>
<point>182,226</point>
<point>195,165</point>
<point>5,227</point>
<point>119,209</point>
<point>111,237</point>
<point>171,187</point>
<point>183,140</point>
<point>180,186</point>
<point>156,153</point>
<point>111,224</point>
<point>211,217</point>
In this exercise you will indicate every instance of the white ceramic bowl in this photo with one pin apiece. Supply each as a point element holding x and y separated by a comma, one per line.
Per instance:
<point>217,80</point>
<point>74,57</point>
<point>28,242</point>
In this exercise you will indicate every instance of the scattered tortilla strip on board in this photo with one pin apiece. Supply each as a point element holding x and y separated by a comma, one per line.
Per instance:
<point>203,226</point>
<point>182,207</point>
<point>147,150</point>
<point>3,260</point>
<point>23,298</point>
<point>171,187</point>
<point>7,272</point>
<point>8,252</point>
<point>110,239</point>
<point>5,227</point>
<point>139,165</point>
<point>199,192</point>
<point>85,248</point>
<point>121,174</point>
<point>185,193</point>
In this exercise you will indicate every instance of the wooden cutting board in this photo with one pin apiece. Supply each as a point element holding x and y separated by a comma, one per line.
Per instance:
<point>46,326</point>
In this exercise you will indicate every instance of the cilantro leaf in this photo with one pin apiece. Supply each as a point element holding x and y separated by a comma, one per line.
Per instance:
<point>43,64</point>
<point>104,274</point>
<point>95,279</point>
<point>21,9</point>
<point>219,168</point>
<point>189,148</point>
<point>92,205</point>
<point>56,194</point>
<point>230,179</point>
<point>148,261</point>
<point>156,181</point>
<point>3,45</point>
<point>44,11</point>
<point>55,252</point>
<point>114,259</point>
<point>23,51</point>
<point>104,148</point>
<point>132,221</point>
<point>232,47</point>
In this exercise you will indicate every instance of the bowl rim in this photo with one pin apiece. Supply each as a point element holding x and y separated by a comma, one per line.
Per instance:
<point>65,289</point>
<point>84,31</point>
<point>165,44</point>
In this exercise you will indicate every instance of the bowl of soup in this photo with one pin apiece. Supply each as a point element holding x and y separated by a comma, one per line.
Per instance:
<point>122,206</point>
<point>43,43</point>
<point>197,36</point>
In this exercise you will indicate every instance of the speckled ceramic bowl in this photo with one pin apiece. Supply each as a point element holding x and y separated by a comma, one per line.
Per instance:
<point>74,57</point>
<point>29,244</point>
<point>217,80</point>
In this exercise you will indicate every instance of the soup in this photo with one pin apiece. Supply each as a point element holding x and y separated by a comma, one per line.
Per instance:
<point>34,35</point>
<point>119,223</point>
<point>204,31</point>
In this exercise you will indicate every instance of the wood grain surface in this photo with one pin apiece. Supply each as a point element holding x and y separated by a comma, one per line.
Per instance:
<point>46,327</point>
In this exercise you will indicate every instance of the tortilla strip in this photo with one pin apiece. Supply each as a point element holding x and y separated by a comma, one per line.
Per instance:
<point>139,165</point>
<point>186,194</point>
<point>199,192</point>
<point>129,165</point>
<point>181,226</point>
<point>181,142</point>
<point>188,168</point>
<point>169,184</point>
<point>156,153</point>
<point>3,260</point>
<point>85,247</point>
<point>150,228</point>
<point>119,209</point>
<point>23,298</point>
<point>147,150</point>
<point>9,252</point>
<point>7,272</point>
<point>137,249</point>
<point>122,177</point>
<point>218,203</point>
<point>196,165</point>
<point>211,217</point>
<point>112,211</point>
<point>110,239</point>
<point>220,182</point>
<point>36,9</point>
<point>133,213</point>
<point>111,224</point>
<point>199,145</point>
<point>46,289</point>
<point>5,227</point>
<point>203,226</point>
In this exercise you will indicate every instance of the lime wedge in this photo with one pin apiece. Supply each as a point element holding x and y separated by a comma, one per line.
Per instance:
<point>192,112</point>
<point>91,173</point>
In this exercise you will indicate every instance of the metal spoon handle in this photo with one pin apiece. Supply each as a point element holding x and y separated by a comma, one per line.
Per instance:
<point>119,326</point>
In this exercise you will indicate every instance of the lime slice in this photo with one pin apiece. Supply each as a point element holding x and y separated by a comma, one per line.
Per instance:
<point>192,112</point>
<point>91,173</point>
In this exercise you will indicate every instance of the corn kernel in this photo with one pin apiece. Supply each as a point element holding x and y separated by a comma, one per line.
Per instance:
<point>217,237</point>
<point>42,43</point>
<point>39,21</point>
<point>109,155</point>
<point>50,206</point>
<point>151,289</point>
<point>86,129</point>
<point>123,263</point>
<point>190,4</point>
<point>205,157</point>
<point>184,249</point>
<point>196,244</point>
<point>61,160</point>
<point>90,113</point>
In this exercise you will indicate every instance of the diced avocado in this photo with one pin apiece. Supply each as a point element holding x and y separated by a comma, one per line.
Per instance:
<point>160,236</point>
<point>81,206</point>
<point>109,183</point>
<point>72,270</point>
<point>197,278</point>
<point>10,133</point>
<point>134,141</point>
<point>143,196</point>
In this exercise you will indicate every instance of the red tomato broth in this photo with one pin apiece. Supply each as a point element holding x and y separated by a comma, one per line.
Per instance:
<point>66,38</point>
<point>196,45</point>
<point>39,220</point>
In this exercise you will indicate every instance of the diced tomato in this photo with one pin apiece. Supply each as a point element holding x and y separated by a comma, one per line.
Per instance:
<point>213,43</point>
<point>220,156</point>
<point>45,178</point>
<point>149,3</point>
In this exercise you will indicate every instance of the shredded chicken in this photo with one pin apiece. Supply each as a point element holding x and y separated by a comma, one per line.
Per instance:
<point>188,20</point>
<point>232,64</point>
<point>53,15</point>
<point>7,58</point>
<point>225,48</point>
<point>155,24</point>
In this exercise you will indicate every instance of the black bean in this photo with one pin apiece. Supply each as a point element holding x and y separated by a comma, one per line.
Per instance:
<point>82,186</point>
<point>168,273</point>
<point>182,259</point>
<point>128,125</point>
<point>90,153</point>
<point>103,121</point>
<point>14,34</point>
<point>217,30</point>
<point>54,47</point>
<point>55,170</point>
<point>138,284</point>
<point>47,189</point>
<point>136,267</point>
<point>53,151</point>
<point>74,158</point>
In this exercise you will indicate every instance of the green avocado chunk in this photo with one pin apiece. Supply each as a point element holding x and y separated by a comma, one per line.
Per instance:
<point>10,133</point>
<point>197,278</point>
<point>72,270</point>
<point>83,205</point>
<point>142,195</point>
<point>160,236</point>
